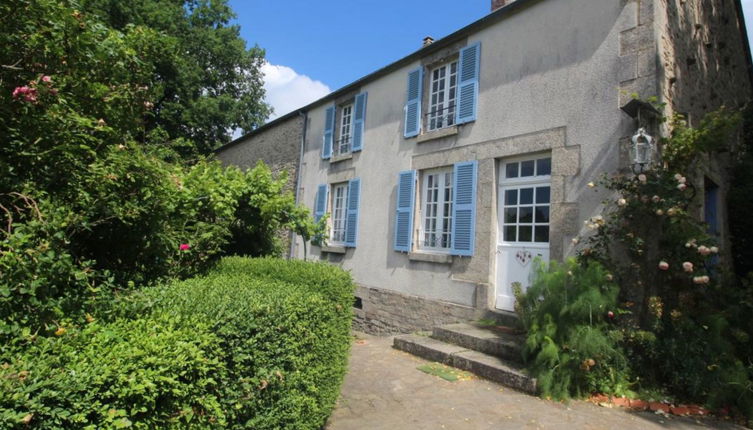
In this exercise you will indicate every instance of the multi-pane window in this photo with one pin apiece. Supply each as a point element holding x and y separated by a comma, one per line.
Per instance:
<point>342,146</point>
<point>339,199</point>
<point>444,80</point>
<point>436,222</point>
<point>526,201</point>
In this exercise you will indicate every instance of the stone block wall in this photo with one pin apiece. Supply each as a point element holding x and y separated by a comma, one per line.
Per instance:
<point>703,60</point>
<point>388,312</point>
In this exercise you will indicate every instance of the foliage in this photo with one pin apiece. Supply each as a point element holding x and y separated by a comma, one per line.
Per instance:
<point>739,203</point>
<point>207,82</point>
<point>571,347</point>
<point>158,371</point>
<point>712,135</point>
<point>284,329</point>
<point>256,344</point>
<point>684,324</point>
<point>41,283</point>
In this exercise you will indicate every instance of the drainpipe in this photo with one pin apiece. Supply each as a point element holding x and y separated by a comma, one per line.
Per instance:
<point>298,176</point>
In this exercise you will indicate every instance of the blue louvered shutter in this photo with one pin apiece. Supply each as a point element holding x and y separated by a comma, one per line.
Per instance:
<point>329,132</point>
<point>351,215</point>
<point>413,103</point>
<point>358,121</point>
<point>406,196</point>
<point>467,89</point>
<point>464,208</point>
<point>320,206</point>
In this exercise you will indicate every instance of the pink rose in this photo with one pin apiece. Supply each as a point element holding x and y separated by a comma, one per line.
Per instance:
<point>682,187</point>
<point>663,265</point>
<point>185,247</point>
<point>46,78</point>
<point>687,266</point>
<point>19,91</point>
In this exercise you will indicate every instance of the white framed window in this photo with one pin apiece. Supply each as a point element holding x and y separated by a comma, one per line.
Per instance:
<point>526,200</point>
<point>339,202</point>
<point>436,210</point>
<point>343,144</point>
<point>442,93</point>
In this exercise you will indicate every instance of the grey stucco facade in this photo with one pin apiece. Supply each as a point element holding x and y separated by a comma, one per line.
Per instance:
<point>552,78</point>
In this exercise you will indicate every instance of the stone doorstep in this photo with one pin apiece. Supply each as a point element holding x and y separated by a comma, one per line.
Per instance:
<point>486,340</point>
<point>484,365</point>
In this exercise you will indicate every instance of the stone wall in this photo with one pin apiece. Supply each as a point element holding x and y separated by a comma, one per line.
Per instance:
<point>703,66</point>
<point>278,146</point>
<point>703,60</point>
<point>386,312</point>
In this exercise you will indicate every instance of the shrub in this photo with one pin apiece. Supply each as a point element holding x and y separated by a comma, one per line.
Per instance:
<point>234,349</point>
<point>572,348</point>
<point>154,372</point>
<point>285,343</point>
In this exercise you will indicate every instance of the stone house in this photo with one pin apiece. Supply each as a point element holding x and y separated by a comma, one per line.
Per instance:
<point>447,172</point>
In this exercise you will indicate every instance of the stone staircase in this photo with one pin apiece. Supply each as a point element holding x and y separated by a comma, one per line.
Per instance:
<point>489,352</point>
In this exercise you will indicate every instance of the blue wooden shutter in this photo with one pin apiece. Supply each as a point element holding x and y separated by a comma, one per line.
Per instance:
<point>406,196</point>
<point>467,89</point>
<point>413,103</point>
<point>358,122</point>
<point>329,132</point>
<point>351,216</point>
<point>464,208</point>
<point>320,206</point>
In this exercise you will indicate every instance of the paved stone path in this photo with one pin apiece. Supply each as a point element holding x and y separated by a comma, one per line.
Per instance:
<point>383,390</point>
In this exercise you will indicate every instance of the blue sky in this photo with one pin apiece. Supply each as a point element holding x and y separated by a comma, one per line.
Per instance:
<point>314,47</point>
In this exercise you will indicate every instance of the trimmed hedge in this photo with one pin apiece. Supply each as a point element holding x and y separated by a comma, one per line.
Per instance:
<point>259,344</point>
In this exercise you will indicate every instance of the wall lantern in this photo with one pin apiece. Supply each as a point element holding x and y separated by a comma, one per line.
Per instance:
<point>643,151</point>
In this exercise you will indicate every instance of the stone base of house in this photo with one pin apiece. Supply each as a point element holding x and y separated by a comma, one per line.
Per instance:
<point>380,312</point>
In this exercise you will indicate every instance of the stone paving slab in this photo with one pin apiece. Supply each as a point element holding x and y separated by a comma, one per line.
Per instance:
<point>383,390</point>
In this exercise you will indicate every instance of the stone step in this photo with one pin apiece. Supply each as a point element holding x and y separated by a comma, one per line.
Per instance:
<point>488,340</point>
<point>484,365</point>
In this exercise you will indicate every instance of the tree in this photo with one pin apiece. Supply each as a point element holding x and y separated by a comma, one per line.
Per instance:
<point>209,83</point>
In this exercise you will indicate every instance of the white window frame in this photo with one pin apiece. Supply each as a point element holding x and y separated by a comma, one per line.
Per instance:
<point>339,205</point>
<point>344,144</point>
<point>439,213</point>
<point>442,102</point>
<point>535,181</point>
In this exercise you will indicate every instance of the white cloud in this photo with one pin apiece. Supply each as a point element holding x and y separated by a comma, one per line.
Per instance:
<point>287,90</point>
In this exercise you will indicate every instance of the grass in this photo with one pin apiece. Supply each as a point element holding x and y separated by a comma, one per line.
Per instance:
<point>445,372</point>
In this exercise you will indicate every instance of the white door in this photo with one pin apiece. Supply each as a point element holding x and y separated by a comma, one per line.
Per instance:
<point>523,203</point>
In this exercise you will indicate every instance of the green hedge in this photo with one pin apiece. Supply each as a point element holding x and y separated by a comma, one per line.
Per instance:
<point>259,344</point>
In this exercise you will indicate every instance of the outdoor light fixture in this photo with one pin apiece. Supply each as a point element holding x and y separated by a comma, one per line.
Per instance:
<point>642,150</point>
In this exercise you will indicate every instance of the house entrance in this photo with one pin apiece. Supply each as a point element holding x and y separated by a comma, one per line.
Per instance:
<point>523,202</point>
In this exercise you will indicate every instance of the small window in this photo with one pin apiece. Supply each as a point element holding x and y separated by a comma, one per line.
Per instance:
<point>444,81</point>
<point>528,168</point>
<point>339,200</point>
<point>436,210</point>
<point>343,143</point>
<point>526,199</point>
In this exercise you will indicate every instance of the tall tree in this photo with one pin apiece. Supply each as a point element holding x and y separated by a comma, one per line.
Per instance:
<point>210,85</point>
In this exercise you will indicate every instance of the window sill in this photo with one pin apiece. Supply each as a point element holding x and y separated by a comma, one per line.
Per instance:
<point>343,157</point>
<point>430,257</point>
<point>334,249</point>
<point>437,134</point>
